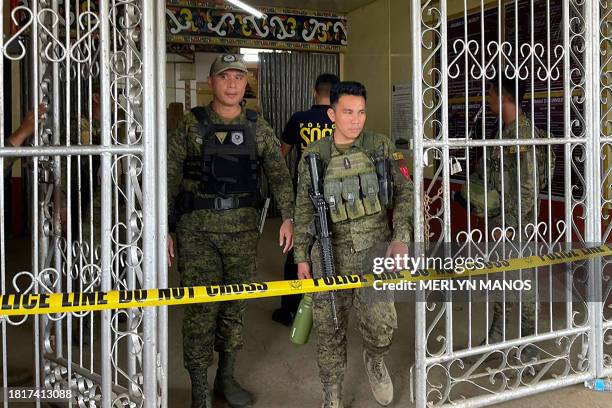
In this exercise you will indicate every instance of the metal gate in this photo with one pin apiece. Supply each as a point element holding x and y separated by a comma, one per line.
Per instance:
<point>97,188</point>
<point>98,184</point>
<point>563,51</point>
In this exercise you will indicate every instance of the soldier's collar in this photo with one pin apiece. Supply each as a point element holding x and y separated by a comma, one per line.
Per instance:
<point>357,143</point>
<point>520,119</point>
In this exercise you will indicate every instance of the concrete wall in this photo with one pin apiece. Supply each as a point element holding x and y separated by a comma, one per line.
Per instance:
<point>367,59</point>
<point>379,53</point>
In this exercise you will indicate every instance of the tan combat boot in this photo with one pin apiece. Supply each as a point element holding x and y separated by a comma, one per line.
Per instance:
<point>380,381</point>
<point>332,396</point>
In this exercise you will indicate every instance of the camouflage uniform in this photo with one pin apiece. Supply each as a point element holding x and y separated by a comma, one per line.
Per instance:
<point>85,136</point>
<point>89,244</point>
<point>530,182</point>
<point>351,241</point>
<point>529,185</point>
<point>218,247</point>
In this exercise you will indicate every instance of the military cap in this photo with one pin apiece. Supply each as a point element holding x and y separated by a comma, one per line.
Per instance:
<point>226,62</point>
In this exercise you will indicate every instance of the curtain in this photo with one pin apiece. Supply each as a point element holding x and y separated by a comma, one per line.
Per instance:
<point>286,81</point>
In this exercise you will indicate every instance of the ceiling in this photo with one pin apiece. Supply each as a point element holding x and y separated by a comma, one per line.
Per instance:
<point>338,6</point>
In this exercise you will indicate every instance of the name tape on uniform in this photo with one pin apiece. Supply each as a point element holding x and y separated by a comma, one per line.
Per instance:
<point>53,303</point>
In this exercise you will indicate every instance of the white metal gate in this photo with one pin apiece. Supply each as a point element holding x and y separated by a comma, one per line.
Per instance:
<point>96,169</point>
<point>105,229</point>
<point>568,69</point>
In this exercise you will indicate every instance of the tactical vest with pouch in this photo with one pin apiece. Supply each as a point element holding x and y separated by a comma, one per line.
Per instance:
<point>544,166</point>
<point>228,167</point>
<point>493,197</point>
<point>477,197</point>
<point>351,184</point>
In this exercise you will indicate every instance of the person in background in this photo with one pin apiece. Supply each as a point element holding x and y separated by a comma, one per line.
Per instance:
<point>510,174</point>
<point>18,138</point>
<point>303,128</point>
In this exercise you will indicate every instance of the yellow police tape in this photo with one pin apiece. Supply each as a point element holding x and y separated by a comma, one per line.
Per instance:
<point>51,303</point>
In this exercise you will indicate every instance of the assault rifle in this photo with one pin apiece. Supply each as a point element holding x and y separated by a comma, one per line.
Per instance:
<point>322,226</point>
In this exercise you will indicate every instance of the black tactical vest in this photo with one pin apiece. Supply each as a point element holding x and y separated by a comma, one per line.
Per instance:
<point>228,165</point>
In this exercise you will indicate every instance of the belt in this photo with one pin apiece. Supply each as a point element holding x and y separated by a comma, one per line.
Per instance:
<point>191,203</point>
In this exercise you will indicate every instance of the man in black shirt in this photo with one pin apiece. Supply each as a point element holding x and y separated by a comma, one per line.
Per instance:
<point>303,128</point>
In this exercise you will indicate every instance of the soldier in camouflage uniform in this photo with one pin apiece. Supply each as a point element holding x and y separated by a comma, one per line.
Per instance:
<point>89,134</point>
<point>16,139</point>
<point>85,209</point>
<point>86,199</point>
<point>531,181</point>
<point>355,230</point>
<point>214,158</point>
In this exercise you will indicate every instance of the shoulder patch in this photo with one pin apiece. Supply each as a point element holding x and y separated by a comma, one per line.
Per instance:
<point>398,156</point>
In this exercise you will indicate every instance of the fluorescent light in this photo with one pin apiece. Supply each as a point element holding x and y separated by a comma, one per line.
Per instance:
<point>252,54</point>
<point>251,57</point>
<point>247,8</point>
<point>245,51</point>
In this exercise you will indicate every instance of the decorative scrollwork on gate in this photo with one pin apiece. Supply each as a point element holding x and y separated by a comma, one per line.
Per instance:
<point>505,369</point>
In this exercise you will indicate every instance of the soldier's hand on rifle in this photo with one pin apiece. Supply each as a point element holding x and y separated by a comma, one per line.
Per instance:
<point>170,250</point>
<point>395,249</point>
<point>285,235</point>
<point>304,270</point>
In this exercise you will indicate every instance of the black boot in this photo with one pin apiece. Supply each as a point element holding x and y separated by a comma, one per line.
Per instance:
<point>227,386</point>
<point>283,317</point>
<point>200,397</point>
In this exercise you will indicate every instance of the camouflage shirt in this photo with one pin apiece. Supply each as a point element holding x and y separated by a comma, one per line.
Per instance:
<point>527,186</point>
<point>185,141</point>
<point>362,233</point>
<point>84,138</point>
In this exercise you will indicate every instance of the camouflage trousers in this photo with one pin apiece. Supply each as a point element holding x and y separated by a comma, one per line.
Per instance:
<point>528,307</point>
<point>377,318</point>
<point>206,258</point>
<point>528,221</point>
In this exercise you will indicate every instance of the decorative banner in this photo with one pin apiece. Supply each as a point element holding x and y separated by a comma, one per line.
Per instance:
<point>193,22</point>
<point>199,23</point>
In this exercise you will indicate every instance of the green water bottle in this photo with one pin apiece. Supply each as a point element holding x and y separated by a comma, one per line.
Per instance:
<point>300,332</point>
